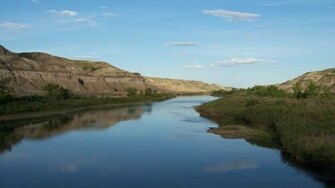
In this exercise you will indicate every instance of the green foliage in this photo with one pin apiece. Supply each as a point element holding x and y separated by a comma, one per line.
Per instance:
<point>222,92</point>
<point>55,91</point>
<point>298,92</point>
<point>5,98</point>
<point>262,91</point>
<point>267,91</point>
<point>311,91</point>
<point>5,90</point>
<point>148,92</point>
<point>305,129</point>
<point>5,87</point>
<point>131,92</point>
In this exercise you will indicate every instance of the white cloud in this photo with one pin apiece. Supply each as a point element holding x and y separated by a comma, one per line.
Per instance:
<point>35,1</point>
<point>69,16</point>
<point>81,20</point>
<point>64,13</point>
<point>12,25</point>
<point>109,14</point>
<point>87,21</point>
<point>232,15</point>
<point>103,7</point>
<point>192,66</point>
<point>182,44</point>
<point>240,61</point>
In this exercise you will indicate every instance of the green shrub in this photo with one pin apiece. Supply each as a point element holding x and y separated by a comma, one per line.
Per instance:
<point>267,91</point>
<point>55,91</point>
<point>305,129</point>
<point>148,92</point>
<point>131,92</point>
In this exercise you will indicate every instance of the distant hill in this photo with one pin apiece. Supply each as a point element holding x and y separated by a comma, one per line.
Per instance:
<point>182,86</point>
<point>31,71</point>
<point>325,78</point>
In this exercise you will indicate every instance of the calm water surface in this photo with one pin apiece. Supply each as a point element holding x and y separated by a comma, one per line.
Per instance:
<point>160,145</point>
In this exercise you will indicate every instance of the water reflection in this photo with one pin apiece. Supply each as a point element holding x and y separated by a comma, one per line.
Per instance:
<point>168,147</point>
<point>231,166</point>
<point>325,176</point>
<point>12,132</point>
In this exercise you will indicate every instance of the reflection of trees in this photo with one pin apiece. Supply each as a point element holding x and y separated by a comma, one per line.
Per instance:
<point>13,132</point>
<point>325,176</point>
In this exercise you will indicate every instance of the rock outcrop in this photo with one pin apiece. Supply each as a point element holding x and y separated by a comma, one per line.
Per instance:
<point>324,79</point>
<point>30,72</point>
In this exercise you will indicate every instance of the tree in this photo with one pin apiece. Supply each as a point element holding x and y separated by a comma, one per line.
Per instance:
<point>148,92</point>
<point>312,90</point>
<point>5,90</point>
<point>131,92</point>
<point>56,91</point>
<point>5,87</point>
<point>298,92</point>
<point>267,91</point>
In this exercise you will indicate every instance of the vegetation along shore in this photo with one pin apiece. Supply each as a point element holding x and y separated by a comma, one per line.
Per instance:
<point>301,124</point>
<point>58,98</point>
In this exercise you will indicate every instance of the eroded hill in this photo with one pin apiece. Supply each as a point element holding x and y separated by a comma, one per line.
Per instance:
<point>324,79</point>
<point>30,72</point>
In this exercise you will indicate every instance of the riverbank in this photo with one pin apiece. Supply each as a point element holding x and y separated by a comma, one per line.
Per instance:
<point>304,130</point>
<point>28,107</point>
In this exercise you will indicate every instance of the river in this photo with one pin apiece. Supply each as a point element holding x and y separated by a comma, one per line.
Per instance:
<point>163,144</point>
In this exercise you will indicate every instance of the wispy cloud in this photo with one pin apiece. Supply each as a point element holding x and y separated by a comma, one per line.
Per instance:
<point>182,44</point>
<point>13,25</point>
<point>35,1</point>
<point>232,15</point>
<point>192,66</point>
<point>109,14</point>
<point>63,13</point>
<point>231,166</point>
<point>240,61</point>
<point>70,16</point>
<point>103,7</point>
<point>86,21</point>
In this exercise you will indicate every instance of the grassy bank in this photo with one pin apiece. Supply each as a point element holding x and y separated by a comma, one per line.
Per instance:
<point>41,103</point>
<point>303,129</point>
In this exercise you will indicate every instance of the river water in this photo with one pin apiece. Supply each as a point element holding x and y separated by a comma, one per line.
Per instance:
<point>164,144</point>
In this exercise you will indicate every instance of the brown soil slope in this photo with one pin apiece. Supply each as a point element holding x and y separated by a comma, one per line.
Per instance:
<point>30,72</point>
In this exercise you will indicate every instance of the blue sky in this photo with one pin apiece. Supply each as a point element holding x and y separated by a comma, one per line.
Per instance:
<point>229,42</point>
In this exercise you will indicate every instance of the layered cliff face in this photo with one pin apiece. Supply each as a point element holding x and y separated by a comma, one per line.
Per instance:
<point>325,79</point>
<point>31,71</point>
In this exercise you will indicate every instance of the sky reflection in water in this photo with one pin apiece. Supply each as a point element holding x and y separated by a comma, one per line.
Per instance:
<point>163,145</point>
